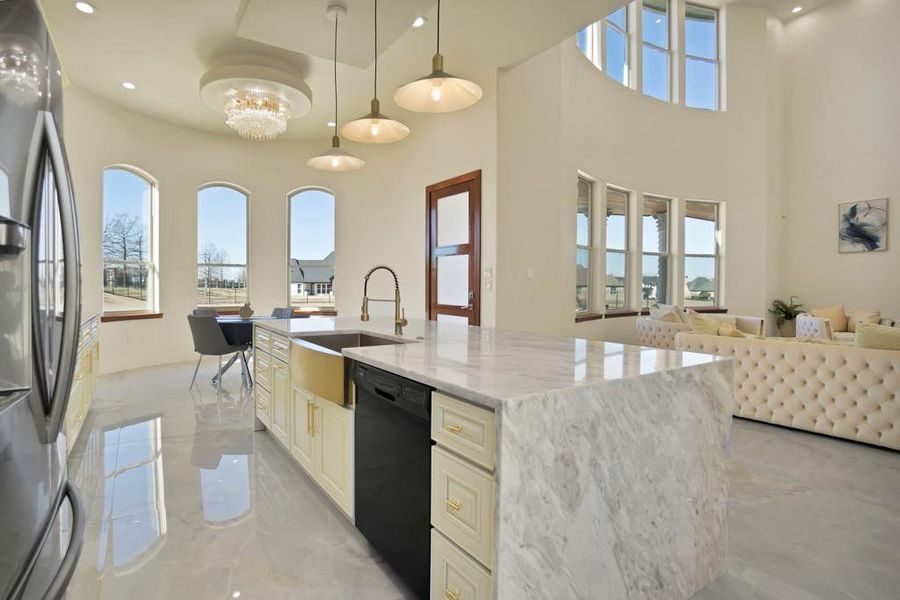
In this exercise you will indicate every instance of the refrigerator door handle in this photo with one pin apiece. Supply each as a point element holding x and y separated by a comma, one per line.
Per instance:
<point>71,319</point>
<point>63,576</point>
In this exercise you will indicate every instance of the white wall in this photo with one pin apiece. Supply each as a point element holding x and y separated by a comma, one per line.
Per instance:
<point>558,114</point>
<point>843,145</point>
<point>380,210</point>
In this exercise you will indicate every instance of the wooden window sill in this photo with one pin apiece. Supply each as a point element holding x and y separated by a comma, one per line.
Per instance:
<point>324,312</point>
<point>129,316</point>
<point>581,318</point>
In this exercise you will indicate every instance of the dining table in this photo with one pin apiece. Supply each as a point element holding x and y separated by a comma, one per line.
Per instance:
<point>238,331</point>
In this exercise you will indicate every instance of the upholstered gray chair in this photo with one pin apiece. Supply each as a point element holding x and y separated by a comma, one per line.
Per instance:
<point>210,341</point>
<point>282,313</point>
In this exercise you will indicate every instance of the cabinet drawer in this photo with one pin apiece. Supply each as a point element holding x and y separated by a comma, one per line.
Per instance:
<point>454,575</point>
<point>281,347</point>
<point>263,402</point>
<point>462,504</point>
<point>468,430</point>
<point>262,369</point>
<point>262,339</point>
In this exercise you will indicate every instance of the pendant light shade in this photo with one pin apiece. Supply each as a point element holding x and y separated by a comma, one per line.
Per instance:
<point>336,159</point>
<point>375,127</point>
<point>439,91</point>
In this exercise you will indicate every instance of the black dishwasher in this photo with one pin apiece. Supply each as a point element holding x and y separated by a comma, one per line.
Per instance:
<point>393,471</point>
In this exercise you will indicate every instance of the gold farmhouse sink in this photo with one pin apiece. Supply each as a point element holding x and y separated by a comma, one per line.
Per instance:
<point>318,366</point>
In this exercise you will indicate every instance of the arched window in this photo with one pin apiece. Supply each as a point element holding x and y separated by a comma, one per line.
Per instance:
<point>129,248</point>
<point>222,246</point>
<point>311,249</point>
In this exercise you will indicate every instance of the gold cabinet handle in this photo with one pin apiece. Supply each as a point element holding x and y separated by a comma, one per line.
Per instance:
<point>451,594</point>
<point>455,428</point>
<point>310,415</point>
<point>454,505</point>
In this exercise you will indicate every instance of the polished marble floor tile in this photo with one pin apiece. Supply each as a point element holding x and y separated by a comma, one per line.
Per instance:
<point>185,500</point>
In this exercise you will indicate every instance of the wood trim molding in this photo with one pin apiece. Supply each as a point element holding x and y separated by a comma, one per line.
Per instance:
<point>111,317</point>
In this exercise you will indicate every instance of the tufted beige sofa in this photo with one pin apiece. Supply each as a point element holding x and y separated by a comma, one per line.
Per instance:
<point>661,334</point>
<point>842,391</point>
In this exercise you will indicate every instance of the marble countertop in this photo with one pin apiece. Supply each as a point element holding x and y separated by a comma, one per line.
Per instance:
<point>491,366</point>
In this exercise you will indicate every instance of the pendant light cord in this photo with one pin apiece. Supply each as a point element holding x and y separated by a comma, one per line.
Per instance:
<point>335,74</point>
<point>375,84</point>
<point>438,28</point>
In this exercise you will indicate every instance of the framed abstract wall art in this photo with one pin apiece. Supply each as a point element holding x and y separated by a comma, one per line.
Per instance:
<point>863,226</point>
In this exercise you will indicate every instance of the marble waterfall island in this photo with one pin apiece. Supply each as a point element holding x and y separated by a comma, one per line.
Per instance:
<point>610,474</point>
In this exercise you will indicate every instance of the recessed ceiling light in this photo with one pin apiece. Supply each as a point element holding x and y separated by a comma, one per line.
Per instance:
<point>796,9</point>
<point>128,85</point>
<point>85,7</point>
<point>330,124</point>
<point>418,21</point>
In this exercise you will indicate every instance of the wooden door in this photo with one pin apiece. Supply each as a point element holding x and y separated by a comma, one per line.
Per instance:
<point>301,428</point>
<point>453,239</point>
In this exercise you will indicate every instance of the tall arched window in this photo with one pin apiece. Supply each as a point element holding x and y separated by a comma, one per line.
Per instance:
<point>222,246</point>
<point>129,247</point>
<point>311,250</point>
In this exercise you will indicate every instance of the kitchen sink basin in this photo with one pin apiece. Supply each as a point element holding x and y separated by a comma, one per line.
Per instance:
<point>318,366</point>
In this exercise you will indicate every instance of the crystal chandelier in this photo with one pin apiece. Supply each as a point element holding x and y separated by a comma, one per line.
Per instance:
<point>19,77</point>
<point>257,115</point>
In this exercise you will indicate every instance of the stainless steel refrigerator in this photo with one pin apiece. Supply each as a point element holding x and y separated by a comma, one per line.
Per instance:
<point>41,515</point>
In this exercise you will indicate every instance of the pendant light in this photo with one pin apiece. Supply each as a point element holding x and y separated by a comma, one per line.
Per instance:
<point>335,159</point>
<point>374,127</point>
<point>439,91</point>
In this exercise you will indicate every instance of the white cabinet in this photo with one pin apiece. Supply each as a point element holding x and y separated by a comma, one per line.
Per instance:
<point>333,448</point>
<point>302,408</point>
<point>280,400</point>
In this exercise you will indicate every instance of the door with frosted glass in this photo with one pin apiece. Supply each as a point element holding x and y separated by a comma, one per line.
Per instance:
<point>453,236</point>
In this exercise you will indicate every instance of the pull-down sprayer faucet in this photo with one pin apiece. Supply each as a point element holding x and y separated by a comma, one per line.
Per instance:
<point>399,313</point>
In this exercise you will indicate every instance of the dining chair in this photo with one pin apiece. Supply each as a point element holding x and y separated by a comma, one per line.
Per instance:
<point>209,340</point>
<point>205,312</point>
<point>282,313</point>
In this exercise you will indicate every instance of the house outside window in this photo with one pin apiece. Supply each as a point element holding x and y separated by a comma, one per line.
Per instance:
<point>130,274</point>
<point>702,248</point>
<point>311,260</point>
<point>222,225</point>
<point>616,281</point>
<point>655,257</point>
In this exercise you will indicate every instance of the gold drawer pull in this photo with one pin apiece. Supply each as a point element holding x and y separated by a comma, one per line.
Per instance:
<point>451,594</point>
<point>454,505</point>
<point>455,428</point>
<point>310,416</point>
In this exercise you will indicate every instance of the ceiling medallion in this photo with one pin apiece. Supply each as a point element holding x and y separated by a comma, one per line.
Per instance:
<point>257,94</point>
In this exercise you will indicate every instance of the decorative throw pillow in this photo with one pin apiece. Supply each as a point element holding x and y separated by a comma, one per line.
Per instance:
<point>731,331</point>
<point>667,312</point>
<point>835,314</point>
<point>862,316</point>
<point>703,323</point>
<point>879,337</point>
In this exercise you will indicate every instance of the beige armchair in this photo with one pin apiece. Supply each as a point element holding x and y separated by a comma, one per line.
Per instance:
<point>809,326</point>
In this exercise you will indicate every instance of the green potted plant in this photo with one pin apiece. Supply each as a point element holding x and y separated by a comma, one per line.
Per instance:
<point>785,315</point>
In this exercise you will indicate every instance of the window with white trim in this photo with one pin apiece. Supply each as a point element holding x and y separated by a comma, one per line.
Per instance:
<point>656,58</point>
<point>702,248</point>
<point>616,227</point>
<point>655,251</point>
<point>222,276</point>
<point>583,246</point>
<point>701,57</point>
<point>615,32</point>
<point>311,249</point>
<point>130,274</point>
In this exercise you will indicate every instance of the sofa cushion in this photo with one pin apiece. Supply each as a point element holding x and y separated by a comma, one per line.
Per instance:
<point>835,314</point>
<point>708,323</point>
<point>862,316</point>
<point>730,331</point>
<point>668,312</point>
<point>880,337</point>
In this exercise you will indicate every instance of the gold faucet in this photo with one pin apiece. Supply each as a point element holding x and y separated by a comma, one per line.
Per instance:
<point>399,313</point>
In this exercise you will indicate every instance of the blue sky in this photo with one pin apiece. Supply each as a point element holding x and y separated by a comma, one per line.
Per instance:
<point>700,41</point>
<point>312,225</point>
<point>125,192</point>
<point>222,220</point>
